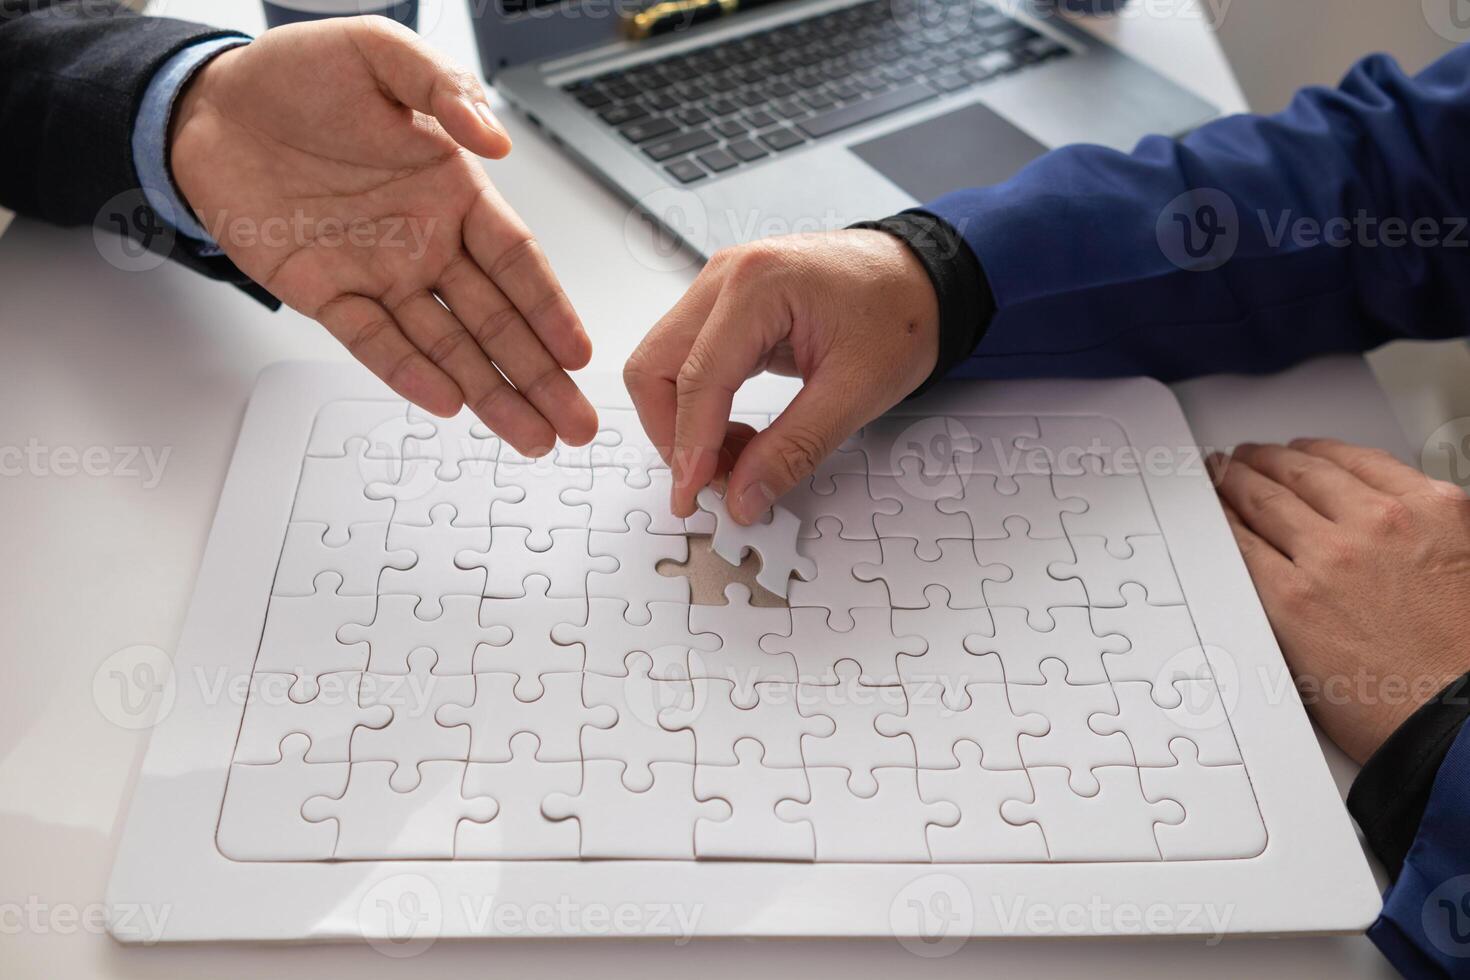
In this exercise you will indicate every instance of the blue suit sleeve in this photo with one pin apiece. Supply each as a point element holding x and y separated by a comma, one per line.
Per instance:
<point>1424,929</point>
<point>1253,243</point>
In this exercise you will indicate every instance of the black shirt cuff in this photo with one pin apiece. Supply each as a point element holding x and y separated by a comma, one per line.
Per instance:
<point>966,303</point>
<point>1390,795</point>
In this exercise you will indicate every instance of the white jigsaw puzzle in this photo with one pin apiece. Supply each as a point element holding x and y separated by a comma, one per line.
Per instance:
<point>984,655</point>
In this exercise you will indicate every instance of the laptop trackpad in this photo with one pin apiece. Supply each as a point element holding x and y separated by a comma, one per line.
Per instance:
<point>969,147</point>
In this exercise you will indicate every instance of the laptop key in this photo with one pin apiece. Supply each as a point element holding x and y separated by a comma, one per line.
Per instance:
<point>623,113</point>
<point>781,139</point>
<point>760,119</point>
<point>789,109</point>
<point>731,128</point>
<point>998,61</point>
<point>950,81</point>
<point>685,171</point>
<point>692,116</point>
<point>648,129</point>
<point>827,123</point>
<point>678,145</point>
<point>747,150</point>
<point>722,107</point>
<point>593,99</point>
<point>717,160</point>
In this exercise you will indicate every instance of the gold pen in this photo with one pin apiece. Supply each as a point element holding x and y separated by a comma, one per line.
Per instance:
<point>668,15</point>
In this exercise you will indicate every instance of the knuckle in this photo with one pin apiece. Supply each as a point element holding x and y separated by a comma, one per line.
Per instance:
<point>799,452</point>
<point>1338,553</point>
<point>723,257</point>
<point>541,386</point>
<point>1266,498</point>
<point>368,334</point>
<point>553,309</point>
<point>1296,471</point>
<point>636,373</point>
<point>494,325</point>
<point>464,81</point>
<point>379,30</point>
<point>754,260</point>
<point>445,346</point>
<point>1363,462</point>
<point>456,272</point>
<point>522,248</point>
<point>1390,516</point>
<point>487,402</point>
<point>694,373</point>
<point>1297,592</point>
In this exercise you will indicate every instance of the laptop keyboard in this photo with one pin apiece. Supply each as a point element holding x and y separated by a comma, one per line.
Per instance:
<point>736,103</point>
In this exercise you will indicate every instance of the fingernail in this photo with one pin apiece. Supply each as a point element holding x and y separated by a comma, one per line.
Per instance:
<point>753,502</point>
<point>488,118</point>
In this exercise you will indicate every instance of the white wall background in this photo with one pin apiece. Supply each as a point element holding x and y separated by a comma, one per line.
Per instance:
<point>1276,46</point>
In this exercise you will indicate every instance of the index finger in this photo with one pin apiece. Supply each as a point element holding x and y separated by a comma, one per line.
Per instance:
<point>726,352</point>
<point>1373,466</point>
<point>652,369</point>
<point>504,248</point>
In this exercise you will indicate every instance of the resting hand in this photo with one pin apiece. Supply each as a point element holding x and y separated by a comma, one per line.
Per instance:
<point>1363,566</point>
<point>852,313</point>
<point>335,162</point>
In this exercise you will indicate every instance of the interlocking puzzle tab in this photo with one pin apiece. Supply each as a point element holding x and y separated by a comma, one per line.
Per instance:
<point>983,655</point>
<point>773,539</point>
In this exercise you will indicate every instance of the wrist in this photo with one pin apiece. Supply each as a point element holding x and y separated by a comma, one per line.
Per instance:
<point>188,137</point>
<point>956,282</point>
<point>918,297</point>
<point>1390,794</point>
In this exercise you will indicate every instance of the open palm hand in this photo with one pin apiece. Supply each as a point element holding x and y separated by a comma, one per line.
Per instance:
<point>335,163</point>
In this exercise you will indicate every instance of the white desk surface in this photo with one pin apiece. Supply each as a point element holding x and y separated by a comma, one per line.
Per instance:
<point>95,357</point>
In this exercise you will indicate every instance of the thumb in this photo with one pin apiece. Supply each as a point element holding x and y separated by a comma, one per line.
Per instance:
<point>417,76</point>
<point>789,450</point>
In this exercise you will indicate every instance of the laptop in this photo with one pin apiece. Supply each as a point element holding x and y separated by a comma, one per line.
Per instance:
<point>804,115</point>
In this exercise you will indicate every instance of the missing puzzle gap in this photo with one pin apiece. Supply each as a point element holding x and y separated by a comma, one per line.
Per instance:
<point>708,574</point>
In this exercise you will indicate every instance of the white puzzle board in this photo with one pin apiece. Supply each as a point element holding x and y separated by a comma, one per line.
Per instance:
<point>1021,662</point>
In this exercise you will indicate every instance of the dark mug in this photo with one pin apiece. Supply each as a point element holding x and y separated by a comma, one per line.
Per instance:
<point>278,12</point>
